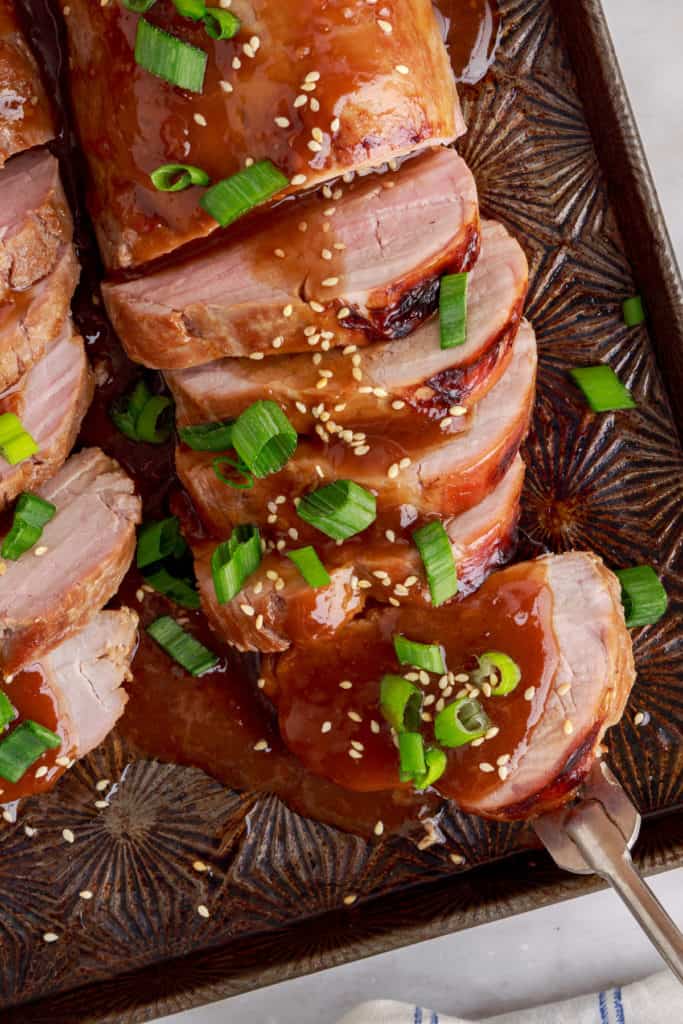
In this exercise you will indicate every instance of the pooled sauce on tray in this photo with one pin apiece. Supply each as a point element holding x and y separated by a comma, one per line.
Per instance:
<point>32,699</point>
<point>218,722</point>
<point>472,31</point>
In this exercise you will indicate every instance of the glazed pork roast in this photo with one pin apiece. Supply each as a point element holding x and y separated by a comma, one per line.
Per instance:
<point>355,97</point>
<point>560,620</point>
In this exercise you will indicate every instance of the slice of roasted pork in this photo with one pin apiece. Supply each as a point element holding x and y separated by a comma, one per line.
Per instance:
<point>318,90</point>
<point>390,381</point>
<point>441,471</point>
<point>559,618</point>
<point>86,673</point>
<point>51,401</point>
<point>75,690</point>
<point>367,265</point>
<point>38,267</point>
<point>277,608</point>
<point>25,114</point>
<point>54,589</point>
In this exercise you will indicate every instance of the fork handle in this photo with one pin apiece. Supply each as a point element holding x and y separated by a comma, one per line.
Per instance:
<point>606,852</point>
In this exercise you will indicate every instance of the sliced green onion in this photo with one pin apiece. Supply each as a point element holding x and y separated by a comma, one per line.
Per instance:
<point>453,310</point>
<point>264,438</point>
<point>642,595</point>
<point>142,416</point>
<point>7,711</point>
<point>157,541</point>
<point>233,197</point>
<point>193,9</point>
<point>22,747</point>
<point>436,762</point>
<point>194,657</point>
<point>169,58</point>
<point>339,510</point>
<point>461,722</point>
<point>220,24</point>
<point>411,750</point>
<point>177,177</point>
<point>239,467</point>
<point>437,557</point>
<point>309,565</point>
<point>16,444</point>
<point>400,703</point>
<point>634,311</point>
<point>139,6</point>
<point>31,514</point>
<point>233,562</point>
<point>150,425</point>
<point>181,591</point>
<point>208,437</point>
<point>500,671</point>
<point>602,389</point>
<point>427,656</point>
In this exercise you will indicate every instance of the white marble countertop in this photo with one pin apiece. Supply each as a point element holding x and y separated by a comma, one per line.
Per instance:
<point>587,943</point>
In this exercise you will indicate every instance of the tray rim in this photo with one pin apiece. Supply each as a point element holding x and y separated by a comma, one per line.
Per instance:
<point>621,154</point>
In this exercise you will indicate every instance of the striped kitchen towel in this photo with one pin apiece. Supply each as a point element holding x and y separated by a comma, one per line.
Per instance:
<point>654,1000</point>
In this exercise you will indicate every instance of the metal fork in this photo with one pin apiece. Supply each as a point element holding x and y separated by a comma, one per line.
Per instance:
<point>594,836</point>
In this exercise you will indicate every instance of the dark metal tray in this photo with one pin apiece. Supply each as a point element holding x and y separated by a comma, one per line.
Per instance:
<point>556,153</point>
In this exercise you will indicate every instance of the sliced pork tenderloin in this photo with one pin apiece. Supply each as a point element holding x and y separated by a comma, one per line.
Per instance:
<point>399,381</point>
<point>276,608</point>
<point>271,290</point>
<point>560,618</point>
<point>325,92</point>
<point>25,114</point>
<point>86,673</point>
<point>442,472</point>
<point>51,401</point>
<point>54,589</point>
<point>38,266</point>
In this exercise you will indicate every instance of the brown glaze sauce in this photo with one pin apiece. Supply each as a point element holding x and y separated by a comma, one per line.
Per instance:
<point>33,699</point>
<point>214,722</point>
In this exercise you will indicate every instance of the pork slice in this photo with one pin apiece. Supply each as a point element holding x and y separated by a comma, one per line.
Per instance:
<point>442,472</point>
<point>414,371</point>
<point>55,589</point>
<point>85,673</point>
<point>387,243</point>
<point>371,97</point>
<point>25,114</point>
<point>51,401</point>
<point>277,608</point>
<point>560,618</point>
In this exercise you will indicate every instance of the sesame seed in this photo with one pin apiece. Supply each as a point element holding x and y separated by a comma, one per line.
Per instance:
<point>259,622</point>
<point>317,134</point>
<point>85,894</point>
<point>395,602</point>
<point>330,211</point>
<point>503,773</point>
<point>68,836</point>
<point>30,832</point>
<point>343,313</point>
<point>326,727</point>
<point>7,816</point>
<point>317,307</point>
<point>486,767</point>
<point>279,341</point>
<point>101,804</point>
<point>379,828</point>
<point>280,253</point>
<point>261,745</point>
<point>374,727</point>
<point>330,282</point>
<point>301,100</point>
<point>354,716</point>
<point>364,584</point>
<point>50,937</point>
<point>568,727</point>
<point>355,754</point>
<point>247,609</point>
<point>236,63</point>
<point>529,693</point>
<point>351,898</point>
<point>200,120</point>
<point>398,405</point>
<point>402,69</point>
<point>261,683</point>
<point>492,732</point>
<point>256,355</point>
<point>386,26</point>
<point>40,551</point>
<point>477,742</point>
<point>392,472</point>
<point>282,122</point>
<point>639,718</point>
<point>357,745</point>
<point>63,761</point>
<point>404,463</point>
<point>314,146</point>
<point>457,410</point>
<point>457,859</point>
<point>258,587</point>
<point>362,449</point>
<point>203,911</point>
<point>248,50</point>
<point>503,759</point>
<point>335,124</point>
<point>298,179</point>
<point>326,254</point>
<point>312,76</point>
<point>225,86</point>
<point>346,684</point>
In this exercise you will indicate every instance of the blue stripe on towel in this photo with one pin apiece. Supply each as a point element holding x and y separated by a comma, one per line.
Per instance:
<point>417,1019</point>
<point>619,1006</point>
<point>602,1006</point>
<point>435,1018</point>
